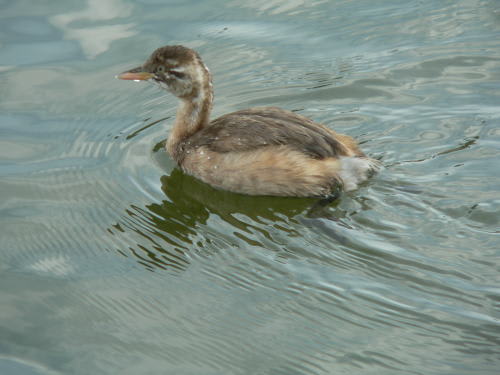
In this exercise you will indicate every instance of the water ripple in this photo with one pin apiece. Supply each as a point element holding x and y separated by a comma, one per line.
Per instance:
<point>106,245</point>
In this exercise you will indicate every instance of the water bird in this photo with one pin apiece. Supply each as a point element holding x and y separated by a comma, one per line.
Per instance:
<point>255,151</point>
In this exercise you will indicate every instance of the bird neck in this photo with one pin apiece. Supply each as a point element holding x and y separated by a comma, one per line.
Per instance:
<point>193,114</point>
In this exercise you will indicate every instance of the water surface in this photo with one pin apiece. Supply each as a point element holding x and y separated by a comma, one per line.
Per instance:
<point>113,261</point>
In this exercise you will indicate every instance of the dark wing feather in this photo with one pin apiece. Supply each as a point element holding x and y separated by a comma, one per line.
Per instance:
<point>253,128</point>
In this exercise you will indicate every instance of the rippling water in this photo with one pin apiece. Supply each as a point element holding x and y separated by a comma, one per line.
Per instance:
<point>113,261</point>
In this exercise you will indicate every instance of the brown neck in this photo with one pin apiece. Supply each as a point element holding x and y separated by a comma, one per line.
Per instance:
<point>193,115</point>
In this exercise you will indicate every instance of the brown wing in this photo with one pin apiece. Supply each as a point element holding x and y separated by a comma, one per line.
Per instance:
<point>253,128</point>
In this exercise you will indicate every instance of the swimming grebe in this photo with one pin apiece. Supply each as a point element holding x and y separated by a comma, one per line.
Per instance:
<point>256,151</point>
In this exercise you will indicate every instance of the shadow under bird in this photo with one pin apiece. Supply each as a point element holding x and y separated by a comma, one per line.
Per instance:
<point>255,151</point>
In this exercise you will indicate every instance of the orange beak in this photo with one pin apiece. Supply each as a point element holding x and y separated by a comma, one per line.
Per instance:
<point>136,74</point>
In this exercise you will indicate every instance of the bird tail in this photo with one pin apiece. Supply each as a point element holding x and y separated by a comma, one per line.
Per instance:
<point>355,170</point>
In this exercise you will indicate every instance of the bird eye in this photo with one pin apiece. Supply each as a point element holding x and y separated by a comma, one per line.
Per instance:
<point>160,69</point>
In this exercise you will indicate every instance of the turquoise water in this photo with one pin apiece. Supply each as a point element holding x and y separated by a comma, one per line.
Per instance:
<point>113,261</point>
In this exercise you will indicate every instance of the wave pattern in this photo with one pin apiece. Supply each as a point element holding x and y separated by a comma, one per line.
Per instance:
<point>107,246</point>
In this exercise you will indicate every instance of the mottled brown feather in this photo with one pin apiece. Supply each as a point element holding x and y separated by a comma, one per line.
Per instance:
<point>163,55</point>
<point>254,128</point>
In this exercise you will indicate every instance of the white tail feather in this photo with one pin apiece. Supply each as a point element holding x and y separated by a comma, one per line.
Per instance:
<point>355,170</point>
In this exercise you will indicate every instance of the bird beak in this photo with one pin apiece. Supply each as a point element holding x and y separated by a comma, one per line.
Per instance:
<point>136,74</point>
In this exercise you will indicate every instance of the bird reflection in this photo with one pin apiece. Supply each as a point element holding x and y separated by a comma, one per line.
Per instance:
<point>166,232</point>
